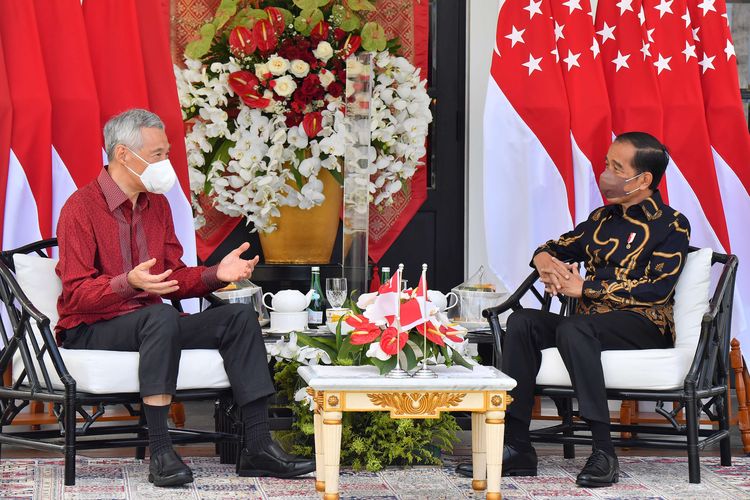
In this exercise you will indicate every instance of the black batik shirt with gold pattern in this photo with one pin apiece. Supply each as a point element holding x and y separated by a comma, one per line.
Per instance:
<point>632,259</point>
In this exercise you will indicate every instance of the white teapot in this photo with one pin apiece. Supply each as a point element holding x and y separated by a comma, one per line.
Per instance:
<point>288,300</point>
<point>441,300</point>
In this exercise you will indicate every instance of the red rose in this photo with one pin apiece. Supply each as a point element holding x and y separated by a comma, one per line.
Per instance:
<point>265,36</point>
<point>298,106</point>
<point>388,341</point>
<point>241,41</point>
<point>293,119</point>
<point>336,89</point>
<point>319,32</point>
<point>313,123</point>
<point>242,82</point>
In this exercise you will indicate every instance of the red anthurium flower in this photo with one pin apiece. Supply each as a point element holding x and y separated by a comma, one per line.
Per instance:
<point>364,332</point>
<point>276,18</point>
<point>355,320</point>
<point>450,333</point>
<point>241,41</point>
<point>242,82</point>
<point>254,100</point>
<point>350,45</point>
<point>433,334</point>
<point>388,342</point>
<point>312,123</point>
<point>265,36</point>
<point>320,31</point>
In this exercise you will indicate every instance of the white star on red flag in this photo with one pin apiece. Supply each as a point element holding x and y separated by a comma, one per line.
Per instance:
<point>665,7</point>
<point>729,50</point>
<point>707,62</point>
<point>533,64</point>
<point>695,34</point>
<point>706,6</point>
<point>594,48</point>
<point>642,15</point>
<point>559,31</point>
<point>625,5</point>
<point>607,33</point>
<point>621,60</point>
<point>534,8</point>
<point>645,50</point>
<point>686,17</point>
<point>515,36</point>
<point>662,63</point>
<point>689,51</point>
<point>573,5</point>
<point>650,35</point>
<point>572,59</point>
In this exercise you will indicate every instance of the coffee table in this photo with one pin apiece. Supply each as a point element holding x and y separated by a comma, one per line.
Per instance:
<point>482,391</point>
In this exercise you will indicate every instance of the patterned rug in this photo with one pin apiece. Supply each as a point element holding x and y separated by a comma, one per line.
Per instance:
<point>641,478</point>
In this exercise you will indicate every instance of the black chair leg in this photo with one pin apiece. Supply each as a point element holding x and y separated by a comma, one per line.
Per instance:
<point>725,446</point>
<point>140,451</point>
<point>565,407</point>
<point>69,417</point>
<point>691,415</point>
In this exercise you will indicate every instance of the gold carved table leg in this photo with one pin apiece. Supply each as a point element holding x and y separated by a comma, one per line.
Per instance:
<point>494,431</point>
<point>319,460</point>
<point>478,452</point>
<point>331,453</point>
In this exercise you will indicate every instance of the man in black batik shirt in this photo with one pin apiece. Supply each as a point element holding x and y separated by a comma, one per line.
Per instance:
<point>633,251</point>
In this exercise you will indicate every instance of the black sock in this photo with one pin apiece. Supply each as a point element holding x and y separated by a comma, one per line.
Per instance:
<point>600,432</point>
<point>517,433</point>
<point>158,433</point>
<point>255,421</point>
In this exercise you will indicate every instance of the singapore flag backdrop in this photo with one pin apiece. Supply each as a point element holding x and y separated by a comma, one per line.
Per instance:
<point>564,79</point>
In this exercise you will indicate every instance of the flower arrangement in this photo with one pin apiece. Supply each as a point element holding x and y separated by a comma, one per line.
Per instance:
<point>263,93</point>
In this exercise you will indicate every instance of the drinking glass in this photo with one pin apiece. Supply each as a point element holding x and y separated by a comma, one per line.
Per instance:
<point>336,291</point>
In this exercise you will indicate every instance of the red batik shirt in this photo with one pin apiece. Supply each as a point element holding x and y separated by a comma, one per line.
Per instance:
<point>101,237</point>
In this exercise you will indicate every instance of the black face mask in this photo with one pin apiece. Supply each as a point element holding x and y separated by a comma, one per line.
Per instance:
<point>613,186</point>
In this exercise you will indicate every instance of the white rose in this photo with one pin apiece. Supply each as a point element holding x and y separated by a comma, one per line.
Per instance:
<point>261,70</point>
<point>277,65</point>
<point>284,86</point>
<point>324,51</point>
<point>299,68</point>
<point>326,78</point>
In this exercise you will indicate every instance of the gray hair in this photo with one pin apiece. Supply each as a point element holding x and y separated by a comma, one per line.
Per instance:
<point>125,129</point>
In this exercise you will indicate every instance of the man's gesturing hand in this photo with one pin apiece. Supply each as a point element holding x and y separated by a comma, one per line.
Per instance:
<point>141,279</point>
<point>552,272</point>
<point>233,267</point>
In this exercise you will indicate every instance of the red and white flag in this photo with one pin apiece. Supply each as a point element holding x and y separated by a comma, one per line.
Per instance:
<point>387,302</point>
<point>590,118</point>
<point>528,166</point>
<point>691,177</point>
<point>28,198</point>
<point>76,135</point>
<point>153,24</point>
<point>414,311</point>
<point>6,121</point>
<point>730,140</point>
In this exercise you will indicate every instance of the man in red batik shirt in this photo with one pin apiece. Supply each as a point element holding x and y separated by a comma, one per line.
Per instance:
<point>119,257</point>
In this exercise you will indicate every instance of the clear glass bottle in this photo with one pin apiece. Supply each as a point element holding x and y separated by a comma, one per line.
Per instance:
<point>316,309</point>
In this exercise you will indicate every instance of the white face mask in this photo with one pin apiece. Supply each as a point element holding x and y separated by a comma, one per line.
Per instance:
<point>158,177</point>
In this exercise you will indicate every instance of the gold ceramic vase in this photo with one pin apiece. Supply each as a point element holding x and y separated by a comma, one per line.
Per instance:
<point>306,236</point>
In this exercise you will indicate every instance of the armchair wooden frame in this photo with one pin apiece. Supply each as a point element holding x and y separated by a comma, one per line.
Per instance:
<point>69,404</point>
<point>705,389</point>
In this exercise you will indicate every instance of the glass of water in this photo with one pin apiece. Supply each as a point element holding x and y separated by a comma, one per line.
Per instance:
<point>336,291</point>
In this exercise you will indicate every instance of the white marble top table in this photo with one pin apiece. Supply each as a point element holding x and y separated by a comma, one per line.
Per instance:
<point>367,378</point>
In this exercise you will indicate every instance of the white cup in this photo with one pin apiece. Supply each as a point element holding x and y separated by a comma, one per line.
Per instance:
<point>283,322</point>
<point>440,299</point>
<point>333,315</point>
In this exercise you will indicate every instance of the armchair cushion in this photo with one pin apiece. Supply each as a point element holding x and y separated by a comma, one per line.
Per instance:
<point>103,372</point>
<point>652,369</point>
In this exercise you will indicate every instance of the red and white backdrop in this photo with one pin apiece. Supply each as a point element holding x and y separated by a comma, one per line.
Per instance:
<point>407,19</point>
<point>66,67</point>
<point>564,79</point>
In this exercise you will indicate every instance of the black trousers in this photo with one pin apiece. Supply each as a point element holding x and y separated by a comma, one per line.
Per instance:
<point>580,340</point>
<point>159,333</point>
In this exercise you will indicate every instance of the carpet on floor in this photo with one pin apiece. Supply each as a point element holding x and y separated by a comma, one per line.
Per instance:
<point>122,478</point>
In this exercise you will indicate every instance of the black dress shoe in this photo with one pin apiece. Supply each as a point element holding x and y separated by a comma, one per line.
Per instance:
<point>168,469</point>
<point>601,469</point>
<point>272,461</point>
<point>515,463</point>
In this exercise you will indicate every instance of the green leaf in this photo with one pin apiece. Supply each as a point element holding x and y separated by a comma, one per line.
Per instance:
<point>313,342</point>
<point>288,16</point>
<point>200,47</point>
<point>338,176</point>
<point>384,366</point>
<point>361,5</point>
<point>411,358</point>
<point>345,18</point>
<point>459,360</point>
<point>339,337</point>
<point>373,37</point>
<point>306,4</point>
<point>225,11</point>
